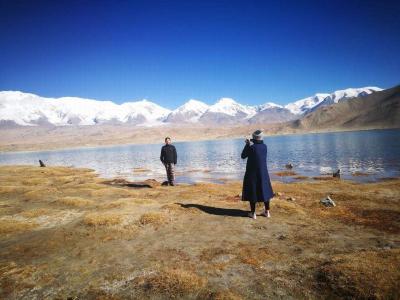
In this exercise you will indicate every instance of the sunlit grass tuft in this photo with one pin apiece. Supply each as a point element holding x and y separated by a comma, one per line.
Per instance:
<point>9,226</point>
<point>364,275</point>
<point>285,173</point>
<point>172,283</point>
<point>153,218</point>
<point>75,201</point>
<point>102,219</point>
<point>37,212</point>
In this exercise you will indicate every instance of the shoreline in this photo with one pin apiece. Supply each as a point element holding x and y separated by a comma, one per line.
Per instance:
<point>356,177</point>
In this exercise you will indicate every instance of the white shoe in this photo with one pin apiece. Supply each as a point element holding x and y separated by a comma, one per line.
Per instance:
<point>266,214</point>
<point>253,216</point>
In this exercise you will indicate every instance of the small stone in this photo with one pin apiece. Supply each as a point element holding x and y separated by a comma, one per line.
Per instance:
<point>291,199</point>
<point>328,202</point>
<point>278,194</point>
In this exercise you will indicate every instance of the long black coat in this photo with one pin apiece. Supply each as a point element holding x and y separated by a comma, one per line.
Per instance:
<point>256,183</point>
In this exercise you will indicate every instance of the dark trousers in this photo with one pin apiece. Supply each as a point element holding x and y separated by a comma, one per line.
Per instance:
<point>169,167</point>
<point>253,206</point>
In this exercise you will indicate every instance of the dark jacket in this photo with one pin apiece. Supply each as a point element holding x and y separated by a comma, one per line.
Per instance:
<point>168,154</point>
<point>256,183</point>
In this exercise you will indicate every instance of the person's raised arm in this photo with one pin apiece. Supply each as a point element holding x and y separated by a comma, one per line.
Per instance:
<point>245,152</point>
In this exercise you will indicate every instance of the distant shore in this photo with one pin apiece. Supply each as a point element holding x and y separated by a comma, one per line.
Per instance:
<point>33,139</point>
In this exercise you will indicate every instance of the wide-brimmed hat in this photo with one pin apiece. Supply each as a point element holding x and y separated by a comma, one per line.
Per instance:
<point>258,135</point>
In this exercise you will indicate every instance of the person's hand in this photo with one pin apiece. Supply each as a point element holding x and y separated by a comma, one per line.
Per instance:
<point>247,142</point>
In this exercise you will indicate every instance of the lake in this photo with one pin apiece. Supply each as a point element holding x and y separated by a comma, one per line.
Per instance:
<point>373,154</point>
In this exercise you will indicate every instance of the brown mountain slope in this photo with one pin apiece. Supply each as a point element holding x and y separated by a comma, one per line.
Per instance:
<point>378,110</point>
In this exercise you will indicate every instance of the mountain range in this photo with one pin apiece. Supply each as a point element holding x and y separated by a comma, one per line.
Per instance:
<point>25,109</point>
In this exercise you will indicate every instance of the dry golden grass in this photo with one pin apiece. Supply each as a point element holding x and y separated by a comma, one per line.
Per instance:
<point>116,203</point>
<point>37,212</point>
<point>109,192</point>
<point>364,275</point>
<point>254,255</point>
<point>34,181</point>
<point>143,201</point>
<point>40,195</point>
<point>153,218</point>
<point>14,277</point>
<point>4,190</point>
<point>113,234</point>
<point>140,170</point>
<point>285,173</point>
<point>386,220</point>
<point>358,173</point>
<point>287,207</point>
<point>300,177</point>
<point>224,295</point>
<point>172,283</point>
<point>209,254</point>
<point>325,178</point>
<point>75,201</point>
<point>173,207</point>
<point>102,219</point>
<point>8,226</point>
<point>92,186</point>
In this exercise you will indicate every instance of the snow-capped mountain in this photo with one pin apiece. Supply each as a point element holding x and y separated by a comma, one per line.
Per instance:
<point>227,110</point>
<point>191,111</point>
<point>28,110</point>
<point>144,112</point>
<point>312,103</point>
<point>303,105</point>
<point>273,114</point>
<point>268,105</point>
<point>343,95</point>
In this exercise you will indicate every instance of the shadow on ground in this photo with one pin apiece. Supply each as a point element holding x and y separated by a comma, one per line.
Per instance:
<point>218,211</point>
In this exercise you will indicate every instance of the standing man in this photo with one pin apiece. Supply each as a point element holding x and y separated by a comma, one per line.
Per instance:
<point>169,157</point>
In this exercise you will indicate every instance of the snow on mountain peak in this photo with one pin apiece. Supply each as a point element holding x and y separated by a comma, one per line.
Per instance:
<point>352,93</point>
<point>320,99</point>
<point>192,105</point>
<point>269,105</point>
<point>230,107</point>
<point>190,111</point>
<point>303,105</point>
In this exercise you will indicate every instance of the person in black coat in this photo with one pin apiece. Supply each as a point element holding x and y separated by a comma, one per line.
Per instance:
<point>169,158</point>
<point>256,182</point>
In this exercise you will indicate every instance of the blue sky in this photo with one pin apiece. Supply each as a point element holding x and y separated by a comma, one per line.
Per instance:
<point>171,51</point>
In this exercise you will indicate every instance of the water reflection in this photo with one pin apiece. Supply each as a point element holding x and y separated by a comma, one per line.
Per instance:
<point>374,152</point>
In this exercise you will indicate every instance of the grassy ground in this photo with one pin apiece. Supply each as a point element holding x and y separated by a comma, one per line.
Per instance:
<point>67,233</point>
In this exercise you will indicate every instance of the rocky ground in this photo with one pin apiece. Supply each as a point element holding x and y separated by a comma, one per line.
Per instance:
<point>65,233</point>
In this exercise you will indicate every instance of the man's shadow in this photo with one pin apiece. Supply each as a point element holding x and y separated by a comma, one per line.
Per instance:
<point>218,211</point>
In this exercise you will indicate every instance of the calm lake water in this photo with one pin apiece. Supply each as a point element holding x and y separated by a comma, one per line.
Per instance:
<point>375,152</point>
